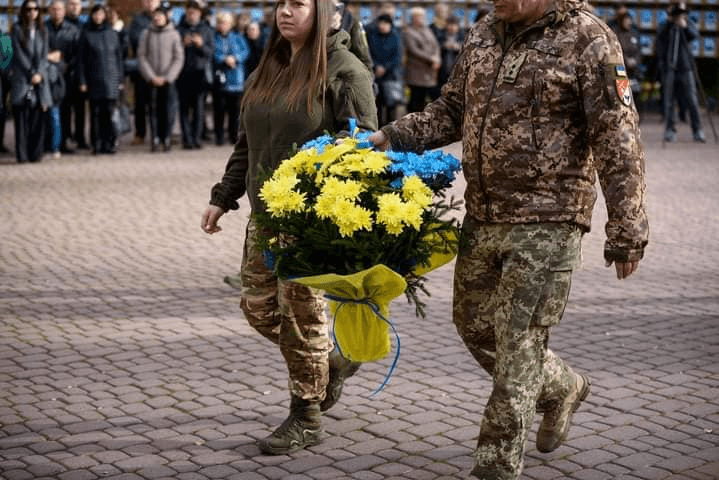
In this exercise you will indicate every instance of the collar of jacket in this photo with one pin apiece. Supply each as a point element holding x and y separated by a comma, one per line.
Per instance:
<point>556,12</point>
<point>168,26</point>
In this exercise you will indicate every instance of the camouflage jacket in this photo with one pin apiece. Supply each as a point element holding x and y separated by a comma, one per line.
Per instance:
<point>541,112</point>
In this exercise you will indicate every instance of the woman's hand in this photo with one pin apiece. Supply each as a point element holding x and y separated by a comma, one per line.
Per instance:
<point>83,88</point>
<point>209,219</point>
<point>36,79</point>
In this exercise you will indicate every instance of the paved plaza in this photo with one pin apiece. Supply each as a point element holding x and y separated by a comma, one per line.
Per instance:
<point>124,356</point>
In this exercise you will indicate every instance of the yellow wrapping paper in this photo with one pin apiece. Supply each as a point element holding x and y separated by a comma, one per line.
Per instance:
<point>359,303</point>
<point>361,335</point>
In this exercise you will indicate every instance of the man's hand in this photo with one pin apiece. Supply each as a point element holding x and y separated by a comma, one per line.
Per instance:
<point>624,269</point>
<point>380,140</point>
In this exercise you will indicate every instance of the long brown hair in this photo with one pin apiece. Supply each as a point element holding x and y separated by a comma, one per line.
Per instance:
<point>278,74</point>
<point>25,21</point>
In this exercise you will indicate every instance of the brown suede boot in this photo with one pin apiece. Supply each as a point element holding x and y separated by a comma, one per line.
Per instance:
<point>556,422</point>
<point>301,429</point>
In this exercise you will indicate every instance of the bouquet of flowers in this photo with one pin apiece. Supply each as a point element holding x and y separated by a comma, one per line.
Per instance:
<point>362,225</point>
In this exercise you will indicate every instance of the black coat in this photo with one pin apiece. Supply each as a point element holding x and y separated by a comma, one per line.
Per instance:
<point>29,57</point>
<point>664,47</point>
<point>65,38</point>
<point>139,24</point>
<point>197,59</point>
<point>101,61</point>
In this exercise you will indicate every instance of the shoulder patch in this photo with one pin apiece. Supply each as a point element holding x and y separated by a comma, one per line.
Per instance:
<point>621,81</point>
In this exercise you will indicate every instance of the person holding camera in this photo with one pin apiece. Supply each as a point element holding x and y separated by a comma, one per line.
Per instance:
<point>675,65</point>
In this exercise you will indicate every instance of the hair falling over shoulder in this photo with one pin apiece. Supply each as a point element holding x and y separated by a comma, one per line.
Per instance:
<point>302,77</point>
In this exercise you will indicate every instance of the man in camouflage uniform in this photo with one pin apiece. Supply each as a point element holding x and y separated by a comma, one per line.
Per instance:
<point>541,101</point>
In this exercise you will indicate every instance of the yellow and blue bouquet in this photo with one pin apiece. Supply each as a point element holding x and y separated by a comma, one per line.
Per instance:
<point>362,225</point>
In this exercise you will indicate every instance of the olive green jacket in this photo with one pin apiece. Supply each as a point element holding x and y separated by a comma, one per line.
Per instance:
<point>269,132</point>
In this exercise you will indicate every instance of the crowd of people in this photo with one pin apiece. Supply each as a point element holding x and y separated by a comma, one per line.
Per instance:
<point>64,64</point>
<point>67,69</point>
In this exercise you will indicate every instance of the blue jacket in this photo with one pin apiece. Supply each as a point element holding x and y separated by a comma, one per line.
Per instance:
<point>386,51</point>
<point>232,44</point>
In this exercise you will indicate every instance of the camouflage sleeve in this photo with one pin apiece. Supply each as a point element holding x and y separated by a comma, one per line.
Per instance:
<point>613,135</point>
<point>441,121</point>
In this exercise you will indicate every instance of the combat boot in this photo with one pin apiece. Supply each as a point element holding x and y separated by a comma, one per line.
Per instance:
<point>556,422</point>
<point>301,429</point>
<point>340,369</point>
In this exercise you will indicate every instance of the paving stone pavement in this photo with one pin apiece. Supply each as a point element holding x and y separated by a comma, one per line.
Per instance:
<point>124,356</point>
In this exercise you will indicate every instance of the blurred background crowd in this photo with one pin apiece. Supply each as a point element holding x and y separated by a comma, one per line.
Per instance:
<point>85,78</point>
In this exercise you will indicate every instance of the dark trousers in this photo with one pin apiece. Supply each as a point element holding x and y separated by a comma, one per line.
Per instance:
<point>192,108</point>
<point>226,104</point>
<point>417,98</point>
<point>142,104</point>
<point>102,134</point>
<point>160,114</point>
<point>4,89</point>
<point>683,90</point>
<point>30,126</point>
<point>74,102</point>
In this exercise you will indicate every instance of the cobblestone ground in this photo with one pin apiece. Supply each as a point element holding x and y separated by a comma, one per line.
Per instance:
<point>124,356</point>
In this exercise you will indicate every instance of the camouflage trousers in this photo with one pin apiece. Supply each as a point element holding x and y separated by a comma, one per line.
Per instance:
<point>291,316</point>
<point>511,284</point>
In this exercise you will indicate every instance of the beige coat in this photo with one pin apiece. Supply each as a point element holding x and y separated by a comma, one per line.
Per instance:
<point>160,53</point>
<point>422,50</point>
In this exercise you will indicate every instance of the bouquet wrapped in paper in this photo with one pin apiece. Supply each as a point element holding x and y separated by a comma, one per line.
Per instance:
<point>362,225</point>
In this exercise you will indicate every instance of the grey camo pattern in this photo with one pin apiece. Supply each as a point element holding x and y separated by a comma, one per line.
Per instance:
<point>511,284</point>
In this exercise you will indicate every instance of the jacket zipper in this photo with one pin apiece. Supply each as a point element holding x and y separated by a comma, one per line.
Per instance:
<point>482,183</point>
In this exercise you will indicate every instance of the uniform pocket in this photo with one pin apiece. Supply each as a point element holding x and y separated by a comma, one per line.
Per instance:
<point>558,280</point>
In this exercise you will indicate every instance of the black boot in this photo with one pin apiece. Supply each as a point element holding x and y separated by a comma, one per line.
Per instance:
<point>301,429</point>
<point>340,369</point>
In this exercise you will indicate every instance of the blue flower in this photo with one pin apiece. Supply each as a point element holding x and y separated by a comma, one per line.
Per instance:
<point>436,168</point>
<point>319,143</point>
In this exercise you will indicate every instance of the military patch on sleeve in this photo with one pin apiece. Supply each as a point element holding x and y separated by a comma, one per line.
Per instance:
<point>623,88</point>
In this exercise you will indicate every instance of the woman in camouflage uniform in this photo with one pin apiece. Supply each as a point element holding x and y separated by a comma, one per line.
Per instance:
<point>307,83</point>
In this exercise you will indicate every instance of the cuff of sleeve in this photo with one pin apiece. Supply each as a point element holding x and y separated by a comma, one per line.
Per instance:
<point>217,198</point>
<point>622,255</point>
<point>396,142</point>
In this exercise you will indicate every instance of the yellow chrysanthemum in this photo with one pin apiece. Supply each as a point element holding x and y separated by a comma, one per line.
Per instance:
<point>305,161</point>
<point>375,162</point>
<point>292,202</point>
<point>350,217</point>
<point>336,187</point>
<point>412,215</point>
<point>324,205</point>
<point>416,191</point>
<point>278,186</point>
<point>389,213</point>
